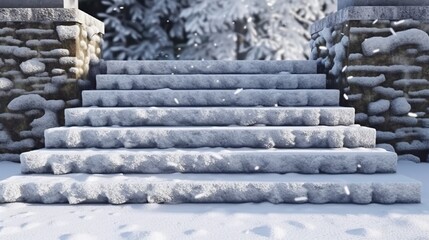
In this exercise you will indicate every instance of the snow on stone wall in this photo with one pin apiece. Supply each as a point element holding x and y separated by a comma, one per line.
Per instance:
<point>43,68</point>
<point>382,69</point>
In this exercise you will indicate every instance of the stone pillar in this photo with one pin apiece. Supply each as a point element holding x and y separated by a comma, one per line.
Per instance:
<point>46,55</point>
<point>378,56</point>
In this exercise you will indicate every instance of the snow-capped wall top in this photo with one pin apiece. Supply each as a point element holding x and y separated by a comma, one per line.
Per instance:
<point>39,4</point>
<point>48,15</point>
<point>361,13</point>
<point>347,3</point>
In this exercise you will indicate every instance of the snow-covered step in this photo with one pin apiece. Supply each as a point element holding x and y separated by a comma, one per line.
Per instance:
<point>190,98</point>
<point>206,160</point>
<point>210,67</point>
<point>199,81</point>
<point>196,137</point>
<point>211,188</point>
<point>213,116</point>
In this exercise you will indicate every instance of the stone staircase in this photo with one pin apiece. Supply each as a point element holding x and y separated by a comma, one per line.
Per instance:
<point>210,132</point>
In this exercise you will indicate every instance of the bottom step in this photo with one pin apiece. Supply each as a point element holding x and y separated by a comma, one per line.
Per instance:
<point>210,188</point>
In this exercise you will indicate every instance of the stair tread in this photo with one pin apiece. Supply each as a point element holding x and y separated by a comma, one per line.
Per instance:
<point>181,188</point>
<point>194,137</point>
<point>209,160</point>
<point>239,97</point>
<point>209,116</point>
<point>210,67</point>
<point>215,81</point>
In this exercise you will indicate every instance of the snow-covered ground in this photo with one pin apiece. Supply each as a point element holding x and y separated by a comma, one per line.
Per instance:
<point>218,221</point>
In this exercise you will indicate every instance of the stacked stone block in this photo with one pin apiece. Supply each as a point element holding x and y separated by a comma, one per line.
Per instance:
<point>378,57</point>
<point>45,61</point>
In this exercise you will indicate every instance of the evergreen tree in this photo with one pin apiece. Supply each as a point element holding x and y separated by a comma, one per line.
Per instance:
<point>210,29</point>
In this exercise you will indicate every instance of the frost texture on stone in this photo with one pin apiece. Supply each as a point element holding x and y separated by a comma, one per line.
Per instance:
<point>209,160</point>
<point>181,98</point>
<point>218,116</point>
<point>195,137</point>
<point>210,188</point>
<point>32,67</point>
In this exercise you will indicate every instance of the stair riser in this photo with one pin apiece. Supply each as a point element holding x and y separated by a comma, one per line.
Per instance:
<point>208,192</point>
<point>210,67</point>
<point>304,137</point>
<point>208,116</point>
<point>169,98</point>
<point>186,162</point>
<point>153,82</point>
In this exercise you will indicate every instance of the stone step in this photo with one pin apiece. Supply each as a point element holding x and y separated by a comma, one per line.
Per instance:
<point>214,116</point>
<point>210,67</point>
<point>197,81</point>
<point>210,188</point>
<point>196,137</point>
<point>194,98</point>
<point>206,160</point>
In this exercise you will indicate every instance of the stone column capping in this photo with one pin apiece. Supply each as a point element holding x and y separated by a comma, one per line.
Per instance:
<point>348,3</point>
<point>49,14</point>
<point>39,4</point>
<point>371,13</point>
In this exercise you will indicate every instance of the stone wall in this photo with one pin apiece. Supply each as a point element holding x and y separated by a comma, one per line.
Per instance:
<point>379,58</point>
<point>45,61</point>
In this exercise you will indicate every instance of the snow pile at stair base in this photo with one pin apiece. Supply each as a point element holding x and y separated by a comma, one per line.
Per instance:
<point>210,143</point>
